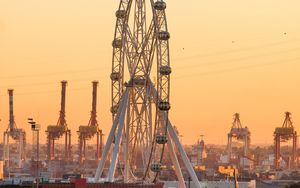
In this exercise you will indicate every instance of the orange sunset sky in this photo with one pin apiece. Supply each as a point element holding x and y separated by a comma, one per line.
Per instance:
<point>227,56</point>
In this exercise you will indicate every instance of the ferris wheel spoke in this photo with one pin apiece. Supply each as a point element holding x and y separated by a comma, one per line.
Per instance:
<point>149,47</point>
<point>133,54</point>
<point>131,49</point>
<point>143,52</point>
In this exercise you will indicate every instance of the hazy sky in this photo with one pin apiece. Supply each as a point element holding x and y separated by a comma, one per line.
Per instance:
<point>227,56</point>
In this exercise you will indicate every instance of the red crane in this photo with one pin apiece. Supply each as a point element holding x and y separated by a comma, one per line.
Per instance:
<point>17,134</point>
<point>54,132</point>
<point>86,132</point>
<point>283,134</point>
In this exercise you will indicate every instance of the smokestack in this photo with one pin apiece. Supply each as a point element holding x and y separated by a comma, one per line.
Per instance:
<point>11,109</point>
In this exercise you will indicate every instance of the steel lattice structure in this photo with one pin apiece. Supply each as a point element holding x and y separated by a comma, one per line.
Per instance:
<point>86,132</point>
<point>239,133</point>
<point>141,129</point>
<point>283,134</point>
<point>17,134</point>
<point>55,132</point>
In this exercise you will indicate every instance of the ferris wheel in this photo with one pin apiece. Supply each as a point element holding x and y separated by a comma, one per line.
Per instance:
<point>141,130</point>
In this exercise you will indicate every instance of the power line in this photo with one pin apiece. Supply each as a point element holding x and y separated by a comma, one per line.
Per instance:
<point>48,91</point>
<point>238,68</point>
<point>51,91</point>
<point>51,73</point>
<point>185,76</point>
<point>180,58</point>
<point>45,83</point>
<point>235,50</point>
<point>239,59</point>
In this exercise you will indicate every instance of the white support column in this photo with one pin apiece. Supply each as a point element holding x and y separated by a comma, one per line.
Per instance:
<point>174,137</point>
<point>175,162</point>
<point>112,167</point>
<point>184,157</point>
<point>108,142</point>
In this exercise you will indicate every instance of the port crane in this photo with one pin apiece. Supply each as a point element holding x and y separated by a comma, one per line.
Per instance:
<point>87,132</point>
<point>54,132</point>
<point>17,134</point>
<point>283,134</point>
<point>238,133</point>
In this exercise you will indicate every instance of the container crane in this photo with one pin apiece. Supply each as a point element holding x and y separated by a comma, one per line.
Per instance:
<point>86,132</point>
<point>54,132</point>
<point>283,134</point>
<point>17,134</point>
<point>239,133</point>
